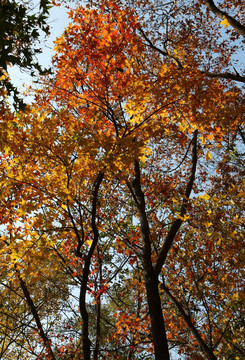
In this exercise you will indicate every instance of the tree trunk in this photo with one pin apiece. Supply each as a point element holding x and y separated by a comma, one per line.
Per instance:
<point>156,316</point>
<point>151,278</point>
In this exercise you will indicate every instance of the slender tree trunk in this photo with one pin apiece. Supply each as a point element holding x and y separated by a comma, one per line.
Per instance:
<point>98,313</point>
<point>151,278</point>
<point>34,312</point>
<point>85,335</point>
<point>156,316</point>
<point>82,299</point>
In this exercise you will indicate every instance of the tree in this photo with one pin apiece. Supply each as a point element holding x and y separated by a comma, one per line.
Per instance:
<point>19,31</point>
<point>116,164</point>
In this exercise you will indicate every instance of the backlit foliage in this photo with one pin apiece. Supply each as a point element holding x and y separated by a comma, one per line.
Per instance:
<point>122,200</point>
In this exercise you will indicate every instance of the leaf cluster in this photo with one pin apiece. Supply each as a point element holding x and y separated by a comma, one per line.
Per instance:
<point>20,28</point>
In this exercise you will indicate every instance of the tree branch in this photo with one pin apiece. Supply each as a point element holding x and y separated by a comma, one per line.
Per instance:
<point>35,314</point>
<point>202,345</point>
<point>150,276</point>
<point>237,26</point>
<point>226,75</point>
<point>83,290</point>
<point>178,222</point>
<point>164,53</point>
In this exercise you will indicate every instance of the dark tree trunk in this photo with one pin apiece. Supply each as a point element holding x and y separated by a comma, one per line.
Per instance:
<point>82,300</point>
<point>151,278</point>
<point>35,314</point>
<point>156,316</point>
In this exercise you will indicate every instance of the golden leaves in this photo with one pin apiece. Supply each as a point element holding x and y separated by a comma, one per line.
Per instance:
<point>225,22</point>
<point>114,100</point>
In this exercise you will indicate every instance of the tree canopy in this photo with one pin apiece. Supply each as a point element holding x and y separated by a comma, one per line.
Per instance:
<point>21,24</point>
<point>122,189</point>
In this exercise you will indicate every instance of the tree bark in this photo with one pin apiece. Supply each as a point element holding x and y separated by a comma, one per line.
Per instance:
<point>150,276</point>
<point>82,299</point>
<point>205,350</point>
<point>34,312</point>
<point>237,26</point>
<point>168,242</point>
<point>226,75</point>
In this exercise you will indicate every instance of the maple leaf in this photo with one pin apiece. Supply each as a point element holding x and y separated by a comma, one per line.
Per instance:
<point>107,187</point>
<point>225,22</point>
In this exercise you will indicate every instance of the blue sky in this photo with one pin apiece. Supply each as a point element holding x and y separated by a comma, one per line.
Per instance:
<point>58,20</point>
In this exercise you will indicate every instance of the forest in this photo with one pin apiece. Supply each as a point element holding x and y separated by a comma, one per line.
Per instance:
<point>122,197</point>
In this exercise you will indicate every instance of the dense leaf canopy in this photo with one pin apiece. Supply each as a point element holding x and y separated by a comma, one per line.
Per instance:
<point>122,200</point>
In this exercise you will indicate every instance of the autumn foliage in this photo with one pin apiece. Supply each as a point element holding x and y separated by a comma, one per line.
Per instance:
<point>122,189</point>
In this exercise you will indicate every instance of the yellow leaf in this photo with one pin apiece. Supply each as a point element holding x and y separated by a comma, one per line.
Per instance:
<point>64,206</point>
<point>219,241</point>
<point>208,156</point>
<point>203,139</point>
<point>225,22</point>
<point>89,242</point>
<point>204,197</point>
